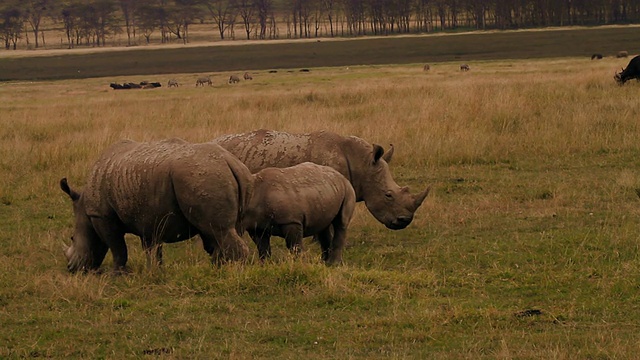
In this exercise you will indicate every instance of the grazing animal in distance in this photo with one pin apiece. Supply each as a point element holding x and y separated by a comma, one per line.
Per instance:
<point>151,85</point>
<point>426,67</point>
<point>173,83</point>
<point>201,81</point>
<point>300,201</point>
<point>134,86</point>
<point>363,164</point>
<point>248,76</point>
<point>116,86</point>
<point>596,56</point>
<point>233,79</point>
<point>464,67</point>
<point>163,192</point>
<point>622,54</point>
<point>632,71</point>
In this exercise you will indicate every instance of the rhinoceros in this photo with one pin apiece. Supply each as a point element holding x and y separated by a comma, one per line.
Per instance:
<point>363,164</point>
<point>299,201</point>
<point>164,192</point>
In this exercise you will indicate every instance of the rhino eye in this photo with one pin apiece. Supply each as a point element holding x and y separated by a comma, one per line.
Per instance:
<point>388,195</point>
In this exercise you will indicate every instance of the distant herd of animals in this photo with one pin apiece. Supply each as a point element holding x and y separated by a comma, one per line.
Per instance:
<point>632,71</point>
<point>266,183</point>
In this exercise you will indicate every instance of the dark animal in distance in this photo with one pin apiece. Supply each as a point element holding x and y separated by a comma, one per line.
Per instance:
<point>632,71</point>
<point>596,56</point>
<point>622,54</point>
<point>426,68</point>
<point>173,83</point>
<point>464,67</point>
<point>233,79</point>
<point>163,192</point>
<point>141,85</point>
<point>304,70</point>
<point>299,201</point>
<point>201,81</point>
<point>363,164</point>
<point>248,76</point>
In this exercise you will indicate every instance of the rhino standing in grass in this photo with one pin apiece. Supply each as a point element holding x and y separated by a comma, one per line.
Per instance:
<point>363,164</point>
<point>164,192</point>
<point>299,201</point>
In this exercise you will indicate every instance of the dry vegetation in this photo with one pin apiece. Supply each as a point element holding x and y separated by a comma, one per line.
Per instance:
<point>528,247</point>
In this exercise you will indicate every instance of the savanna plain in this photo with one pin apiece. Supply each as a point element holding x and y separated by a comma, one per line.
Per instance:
<point>526,248</point>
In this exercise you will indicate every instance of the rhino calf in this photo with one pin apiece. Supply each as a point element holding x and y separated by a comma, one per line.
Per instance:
<point>164,192</point>
<point>299,201</point>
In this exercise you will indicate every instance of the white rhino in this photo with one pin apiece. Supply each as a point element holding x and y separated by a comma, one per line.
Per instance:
<point>363,164</point>
<point>164,192</point>
<point>299,201</point>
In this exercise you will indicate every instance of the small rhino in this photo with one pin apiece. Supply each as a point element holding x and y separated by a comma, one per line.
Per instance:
<point>299,201</point>
<point>233,79</point>
<point>464,67</point>
<point>248,76</point>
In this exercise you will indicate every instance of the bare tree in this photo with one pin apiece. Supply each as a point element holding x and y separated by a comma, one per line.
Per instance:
<point>264,8</point>
<point>247,10</point>
<point>128,8</point>
<point>34,12</point>
<point>11,19</point>
<point>223,13</point>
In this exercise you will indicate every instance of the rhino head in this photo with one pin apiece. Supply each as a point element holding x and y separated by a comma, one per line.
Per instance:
<point>389,203</point>
<point>86,251</point>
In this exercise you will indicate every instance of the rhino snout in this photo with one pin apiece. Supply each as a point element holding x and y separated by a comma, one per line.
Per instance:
<point>400,222</point>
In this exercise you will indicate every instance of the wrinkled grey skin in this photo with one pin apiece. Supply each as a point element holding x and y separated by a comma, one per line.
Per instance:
<point>363,164</point>
<point>299,201</point>
<point>164,192</point>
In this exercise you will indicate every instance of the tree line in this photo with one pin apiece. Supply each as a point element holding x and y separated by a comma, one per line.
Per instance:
<point>93,22</point>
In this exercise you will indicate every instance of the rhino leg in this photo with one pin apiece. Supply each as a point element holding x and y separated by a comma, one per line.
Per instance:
<point>337,245</point>
<point>263,242</point>
<point>293,237</point>
<point>324,238</point>
<point>110,233</point>
<point>224,245</point>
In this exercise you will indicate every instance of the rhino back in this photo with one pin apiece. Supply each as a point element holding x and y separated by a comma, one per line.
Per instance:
<point>261,149</point>
<point>142,182</point>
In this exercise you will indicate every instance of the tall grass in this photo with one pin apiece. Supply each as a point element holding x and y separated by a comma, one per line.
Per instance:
<point>527,247</point>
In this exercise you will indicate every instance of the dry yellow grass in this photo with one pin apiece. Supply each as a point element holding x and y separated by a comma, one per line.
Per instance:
<point>533,206</point>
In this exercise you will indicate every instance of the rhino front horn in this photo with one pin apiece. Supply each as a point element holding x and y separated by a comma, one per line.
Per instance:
<point>420,197</point>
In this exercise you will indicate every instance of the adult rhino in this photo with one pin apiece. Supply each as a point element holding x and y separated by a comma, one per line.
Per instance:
<point>164,192</point>
<point>363,164</point>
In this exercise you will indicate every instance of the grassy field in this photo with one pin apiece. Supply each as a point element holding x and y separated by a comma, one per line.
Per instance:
<point>527,247</point>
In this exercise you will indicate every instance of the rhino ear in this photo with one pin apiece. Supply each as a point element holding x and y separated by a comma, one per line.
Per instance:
<point>65,187</point>
<point>378,151</point>
<point>389,154</point>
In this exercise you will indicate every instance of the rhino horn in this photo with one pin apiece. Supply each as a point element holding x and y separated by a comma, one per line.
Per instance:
<point>419,198</point>
<point>389,154</point>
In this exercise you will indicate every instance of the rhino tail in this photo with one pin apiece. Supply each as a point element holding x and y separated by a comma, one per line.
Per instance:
<point>244,179</point>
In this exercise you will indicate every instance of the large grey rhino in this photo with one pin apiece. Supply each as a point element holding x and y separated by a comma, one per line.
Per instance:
<point>363,164</point>
<point>299,201</point>
<point>164,192</point>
